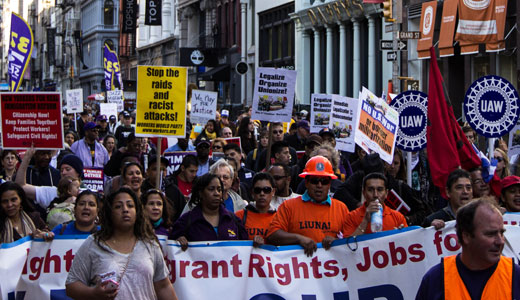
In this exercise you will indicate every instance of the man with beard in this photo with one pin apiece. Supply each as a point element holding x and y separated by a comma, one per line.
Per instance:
<point>203,156</point>
<point>479,271</point>
<point>41,173</point>
<point>459,192</point>
<point>282,181</point>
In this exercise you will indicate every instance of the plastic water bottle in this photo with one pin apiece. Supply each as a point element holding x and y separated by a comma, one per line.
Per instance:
<point>376,219</point>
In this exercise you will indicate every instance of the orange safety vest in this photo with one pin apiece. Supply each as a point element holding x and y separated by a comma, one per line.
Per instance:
<point>499,285</point>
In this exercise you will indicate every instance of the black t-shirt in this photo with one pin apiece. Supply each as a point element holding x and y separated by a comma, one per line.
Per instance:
<point>92,152</point>
<point>475,281</point>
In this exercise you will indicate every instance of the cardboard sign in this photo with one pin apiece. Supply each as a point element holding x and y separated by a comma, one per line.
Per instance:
<point>93,178</point>
<point>273,97</point>
<point>74,101</point>
<point>108,109</point>
<point>116,96</point>
<point>161,101</point>
<point>31,118</point>
<point>343,122</point>
<point>175,158</point>
<point>203,106</point>
<point>377,126</point>
<point>321,105</point>
<point>491,106</point>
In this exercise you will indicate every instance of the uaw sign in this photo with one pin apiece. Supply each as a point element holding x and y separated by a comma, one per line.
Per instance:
<point>491,106</point>
<point>412,107</point>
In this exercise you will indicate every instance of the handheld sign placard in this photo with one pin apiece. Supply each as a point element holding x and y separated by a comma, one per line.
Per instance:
<point>203,106</point>
<point>28,118</point>
<point>161,101</point>
<point>343,122</point>
<point>273,97</point>
<point>377,125</point>
<point>320,111</point>
<point>412,107</point>
<point>116,96</point>
<point>74,101</point>
<point>491,106</point>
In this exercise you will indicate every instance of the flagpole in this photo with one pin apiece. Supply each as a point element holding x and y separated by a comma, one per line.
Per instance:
<point>491,148</point>
<point>409,168</point>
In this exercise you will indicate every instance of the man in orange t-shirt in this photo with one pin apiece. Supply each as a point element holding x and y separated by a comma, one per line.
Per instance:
<point>308,219</point>
<point>375,190</point>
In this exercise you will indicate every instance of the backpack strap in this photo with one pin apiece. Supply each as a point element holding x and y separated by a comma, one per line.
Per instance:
<point>255,151</point>
<point>245,216</point>
<point>63,227</point>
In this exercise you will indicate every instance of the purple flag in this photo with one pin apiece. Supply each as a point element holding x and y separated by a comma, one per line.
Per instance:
<point>113,77</point>
<point>20,49</point>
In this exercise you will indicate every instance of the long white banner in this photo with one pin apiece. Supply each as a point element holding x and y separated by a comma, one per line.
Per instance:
<point>389,264</point>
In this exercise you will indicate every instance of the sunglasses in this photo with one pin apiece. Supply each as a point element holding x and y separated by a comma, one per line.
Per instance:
<point>499,159</point>
<point>217,147</point>
<point>277,131</point>
<point>265,189</point>
<point>322,180</point>
<point>279,177</point>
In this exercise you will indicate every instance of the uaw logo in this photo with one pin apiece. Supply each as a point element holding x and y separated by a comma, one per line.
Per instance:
<point>320,167</point>
<point>428,20</point>
<point>491,106</point>
<point>412,107</point>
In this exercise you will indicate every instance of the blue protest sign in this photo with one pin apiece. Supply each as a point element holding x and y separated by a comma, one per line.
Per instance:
<point>491,106</point>
<point>413,112</point>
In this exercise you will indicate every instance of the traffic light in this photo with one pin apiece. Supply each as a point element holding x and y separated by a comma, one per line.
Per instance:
<point>387,10</point>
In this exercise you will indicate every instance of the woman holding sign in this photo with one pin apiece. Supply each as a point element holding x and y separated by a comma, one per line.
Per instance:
<point>123,260</point>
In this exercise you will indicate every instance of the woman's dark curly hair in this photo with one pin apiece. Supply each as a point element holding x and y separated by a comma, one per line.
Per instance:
<point>199,184</point>
<point>167,212</point>
<point>26,205</point>
<point>142,228</point>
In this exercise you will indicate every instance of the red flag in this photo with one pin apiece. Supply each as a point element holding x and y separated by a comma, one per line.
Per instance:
<point>447,146</point>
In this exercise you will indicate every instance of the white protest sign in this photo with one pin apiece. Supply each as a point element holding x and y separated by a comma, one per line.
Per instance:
<point>514,140</point>
<point>108,109</point>
<point>320,111</point>
<point>74,101</point>
<point>377,125</point>
<point>116,96</point>
<point>343,122</point>
<point>273,98</point>
<point>368,266</point>
<point>203,106</point>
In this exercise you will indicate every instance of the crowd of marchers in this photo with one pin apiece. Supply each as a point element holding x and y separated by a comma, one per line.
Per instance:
<point>282,185</point>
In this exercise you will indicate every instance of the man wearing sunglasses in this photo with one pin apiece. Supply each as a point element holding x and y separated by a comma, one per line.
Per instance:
<point>310,218</point>
<point>282,180</point>
<point>278,136</point>
<point>91,152</point>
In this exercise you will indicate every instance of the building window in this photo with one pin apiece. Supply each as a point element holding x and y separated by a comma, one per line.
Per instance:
<point>276,44</point>
<point>108,12</point>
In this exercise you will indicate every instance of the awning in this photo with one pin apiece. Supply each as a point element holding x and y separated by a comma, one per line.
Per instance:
<point>220,73</point>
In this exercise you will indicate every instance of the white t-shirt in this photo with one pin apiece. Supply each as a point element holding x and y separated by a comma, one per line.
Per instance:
<point>45,195</point>
<point>145,267</point>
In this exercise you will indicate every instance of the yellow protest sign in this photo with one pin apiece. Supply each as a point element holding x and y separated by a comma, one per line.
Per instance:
<point>161,101</point>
